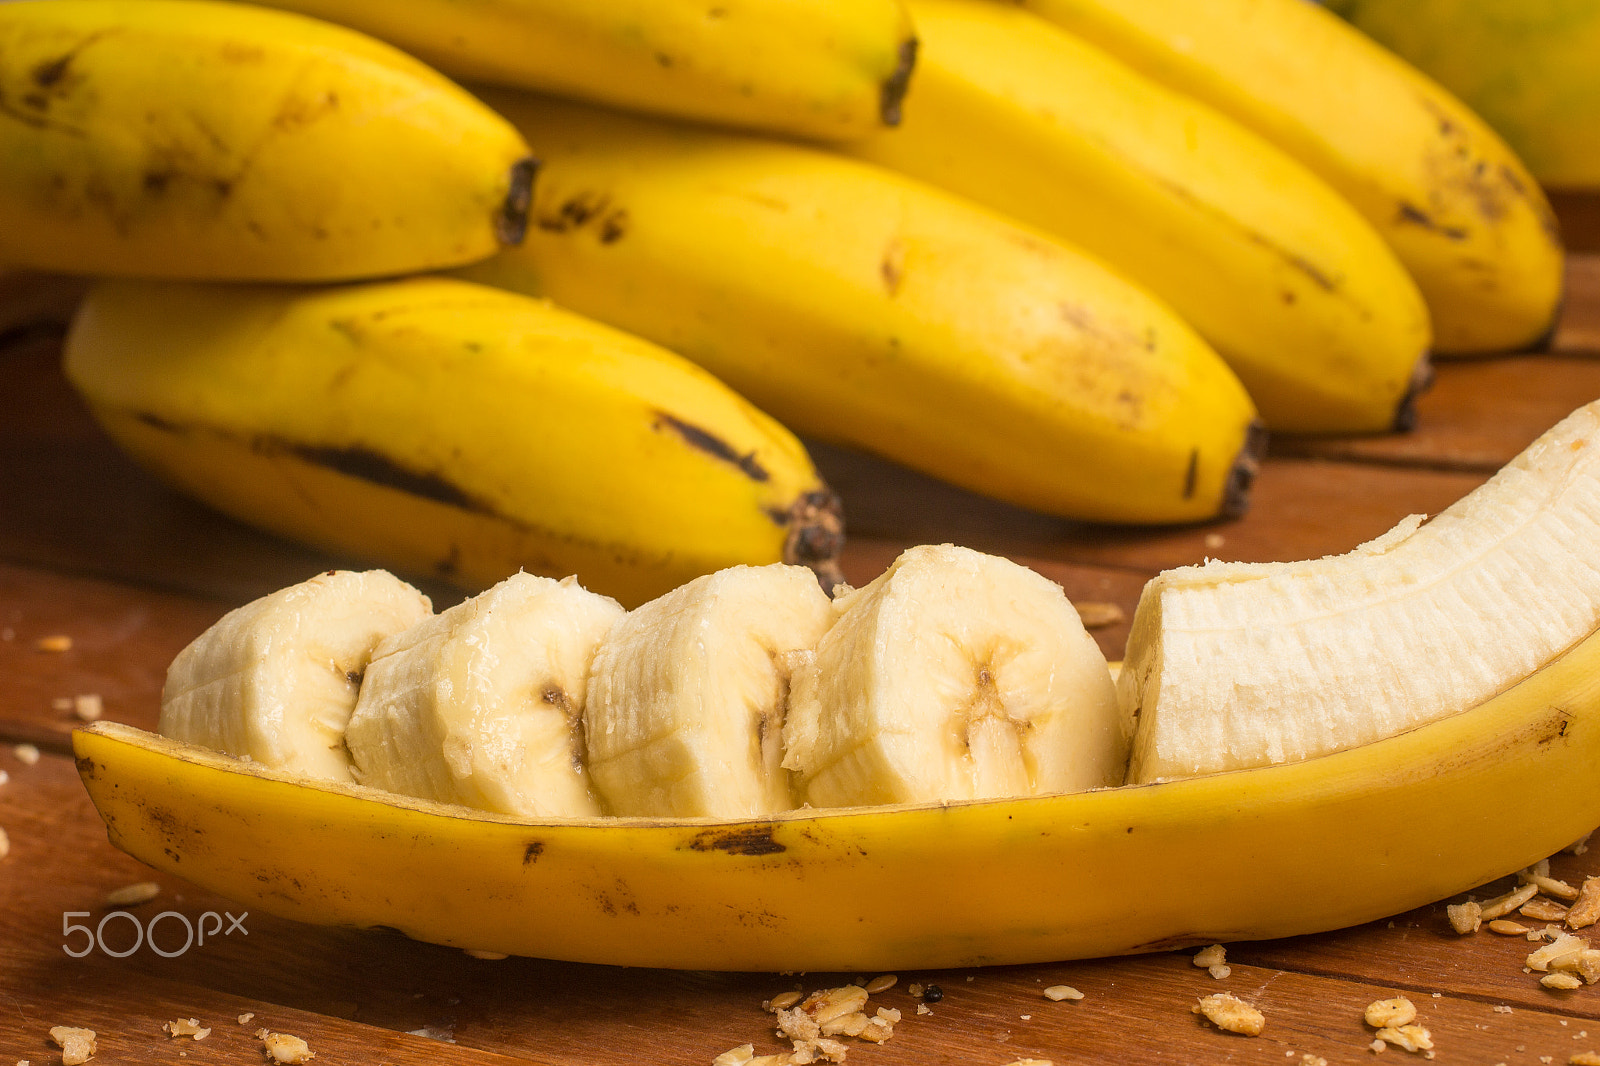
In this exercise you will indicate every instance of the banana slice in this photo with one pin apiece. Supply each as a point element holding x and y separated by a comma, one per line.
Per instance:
<point>1233,665</point>
<point>275,680</point>
<point>688,694</point>
<point>481,705</point>
<point>954,675</point>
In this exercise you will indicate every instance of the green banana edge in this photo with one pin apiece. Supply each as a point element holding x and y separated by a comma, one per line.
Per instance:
<point>1252,854</point>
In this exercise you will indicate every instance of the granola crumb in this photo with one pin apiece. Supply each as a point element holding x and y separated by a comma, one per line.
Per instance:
<point>1544,910</point>
<point>1219,972</point>
<point>1585,1058</point>
<point>285,1049</point>
<point>186,1027</point>
<point>1377,1047</point>
<point>1061,992</point>
<point>27,754</point>
<point>1502,1008</point>
<point>1501,906</point>
<point>1229,1012</point>
<point>1561,980</point>
<point>1464,917</point>
<point>5,844</point>
<point>1409,1037</point>
<point>88,707</point>
<point>1563,944</point>
<point>1309,1059</point>
<point>244,1019</point>
<point>923,1008</point>
<point>735,1056</point>
<point>781,1001</point>
<point>914,989</point>
<point>1585,910</point>
<point>881,983</point>
<point>54,642</point>
<point>1506,927</point>
<point>1578,847</point>
<point>77,1045</point>
<point>1383,1013</point>
<point>1215,955</point>
<point>132,895</point>
<point>262,1034</point>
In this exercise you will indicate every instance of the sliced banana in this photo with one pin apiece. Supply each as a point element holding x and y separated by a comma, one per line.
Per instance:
<point>482,704</point>
<point>1233,665</point>
<point>276,680</point>
<point>954,675</point>
<point>688,695</point>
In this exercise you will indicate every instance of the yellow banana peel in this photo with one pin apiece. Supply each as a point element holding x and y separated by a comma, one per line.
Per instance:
<point>865,308</point>
<point>1462,212</point>
<point>193,139</point>
<point>814,70</point>
<point>1266,852</point>
<point>448,428</point>
<point>1288,282</point>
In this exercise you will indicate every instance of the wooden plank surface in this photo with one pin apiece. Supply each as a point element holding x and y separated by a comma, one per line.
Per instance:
<point>93,549</point>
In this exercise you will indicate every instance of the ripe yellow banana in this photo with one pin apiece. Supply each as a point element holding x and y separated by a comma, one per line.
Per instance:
<point>195,139</point>
<point>446,427</point>
<point>1527,66</point>
<point>1287,281</point>
<point>816,70</point>
<point>863,307</point>
<point>1267,852</point>
<point>1464,215</point>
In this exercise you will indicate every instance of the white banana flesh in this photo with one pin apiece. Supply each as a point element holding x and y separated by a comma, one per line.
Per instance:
<point>276,680</point>
<point>482,704</point>
<point>954,675</point>
<point>688,695</point>
<point>1233,665</point>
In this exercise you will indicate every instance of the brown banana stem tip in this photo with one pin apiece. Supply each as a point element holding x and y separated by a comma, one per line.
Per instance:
<point>1405,412</point>
<point>895,85</point>
<point>511,221</point>
<point>816,536</point>
<point>1236,493</point>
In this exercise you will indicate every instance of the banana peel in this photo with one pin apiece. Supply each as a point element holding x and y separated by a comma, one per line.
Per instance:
<point>1267,852</point>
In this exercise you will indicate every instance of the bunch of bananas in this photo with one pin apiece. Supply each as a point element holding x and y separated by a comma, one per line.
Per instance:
<point>1074,260</point>
<point>953,733</point>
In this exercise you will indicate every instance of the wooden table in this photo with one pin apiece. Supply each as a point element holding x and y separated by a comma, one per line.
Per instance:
<point>94,550</point>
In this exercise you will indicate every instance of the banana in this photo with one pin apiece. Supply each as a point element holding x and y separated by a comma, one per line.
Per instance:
<point>1527,66</point>
<point>1269,852</point>
<point>1461,211</point>
<point>482,704</point>
<point>186,138</point>
<point>451,428</point>
<point>815,70</point>
<point>1237,664</point>
<point>688,694</point>
<point>954,675</point>
<point>1275,269</point>
<point>275,681</point>
<point>864,308</point>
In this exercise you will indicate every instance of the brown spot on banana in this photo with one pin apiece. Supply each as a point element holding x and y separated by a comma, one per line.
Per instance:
<point>373,466</point>
<point>1242,474</point>
<point>754,840</point>
<point>711,444</point>
<point>1405,412</point>
<point>511,220</point>
<point>531,853</point>
<point>1410,212</point>
<point>893,91</point>
<point>892,266</point>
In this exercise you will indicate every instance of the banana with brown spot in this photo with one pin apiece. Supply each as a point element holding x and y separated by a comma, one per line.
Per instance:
<point>865,308</point>
<point>1461,211</point>
<point>833,71</point>
<point>195,139</point>
<point>436,426</point>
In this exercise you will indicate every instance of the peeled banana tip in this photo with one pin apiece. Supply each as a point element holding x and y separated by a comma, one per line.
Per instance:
<point>895,85</point>
<point>1242,475</point>
<point>511,223</point>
